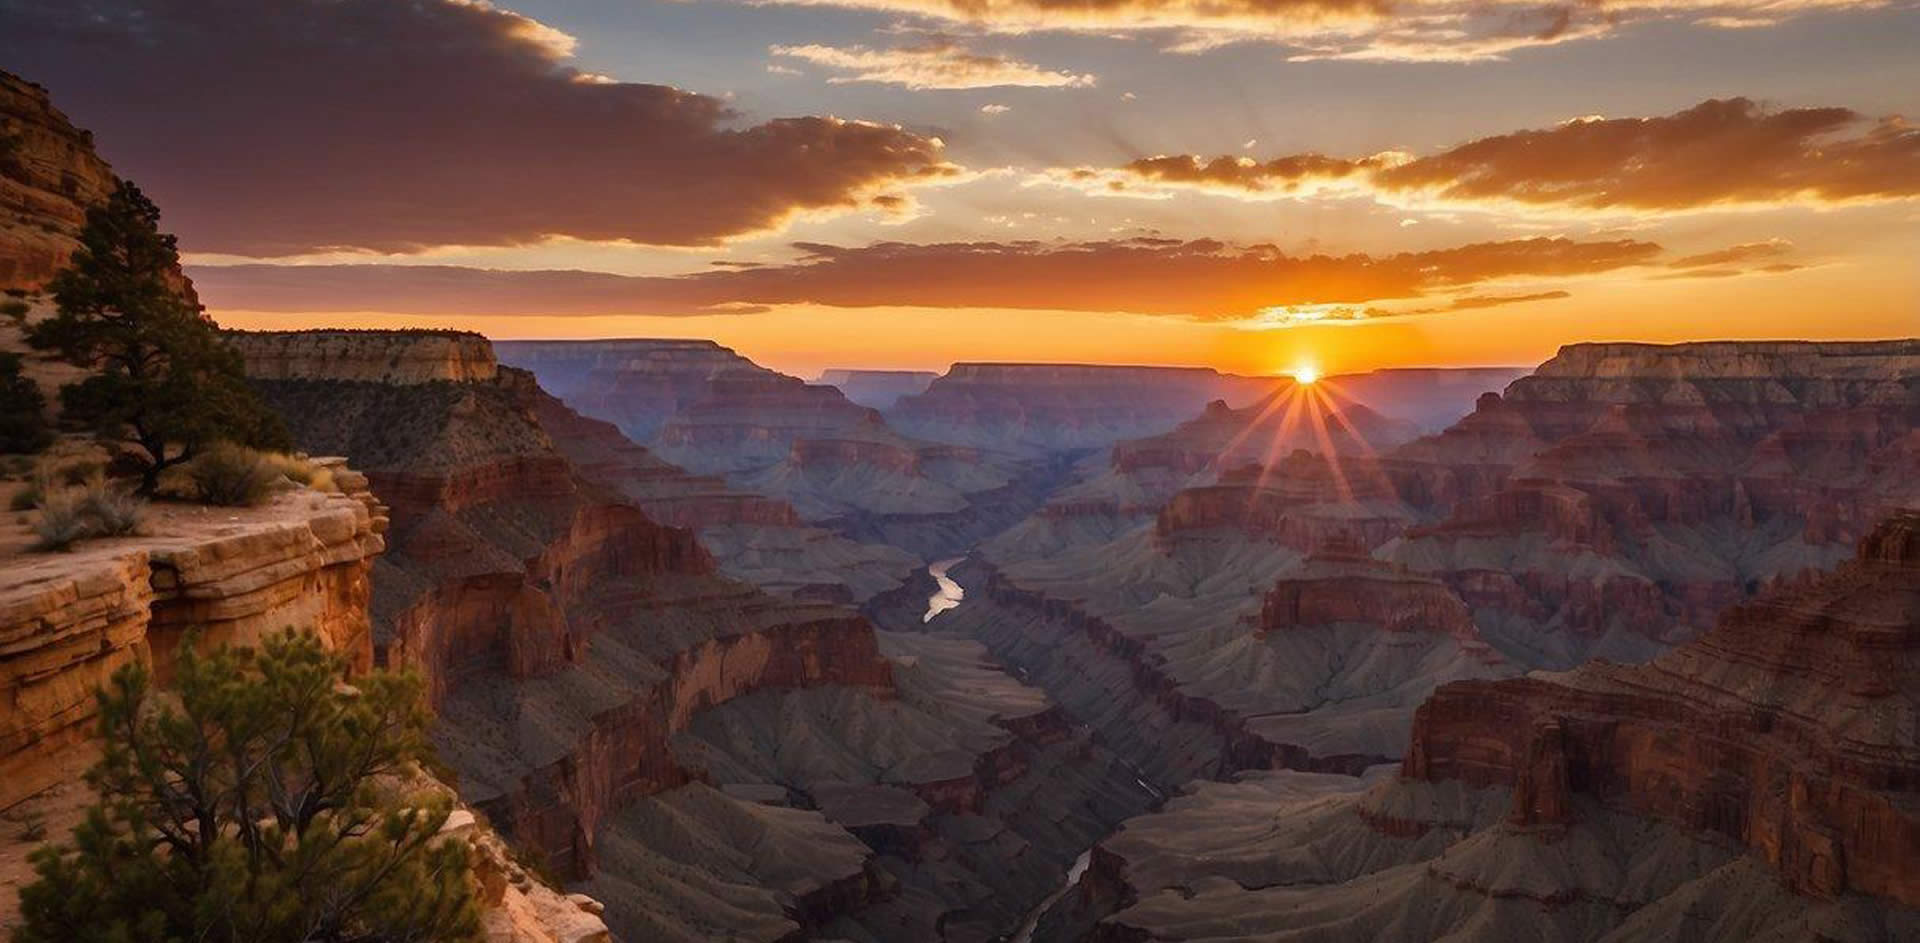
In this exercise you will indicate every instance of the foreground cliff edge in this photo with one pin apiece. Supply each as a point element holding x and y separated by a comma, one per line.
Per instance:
<point>234,575</point>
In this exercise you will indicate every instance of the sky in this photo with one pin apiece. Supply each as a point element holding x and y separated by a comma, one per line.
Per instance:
<point>1260,186</point>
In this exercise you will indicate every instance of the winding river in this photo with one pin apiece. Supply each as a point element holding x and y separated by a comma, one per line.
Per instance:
<point>949,594</point>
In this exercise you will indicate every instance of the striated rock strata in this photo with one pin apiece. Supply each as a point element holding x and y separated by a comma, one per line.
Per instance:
<point>1759,782</point>
<point>49,175</point>
<point>67,621</point>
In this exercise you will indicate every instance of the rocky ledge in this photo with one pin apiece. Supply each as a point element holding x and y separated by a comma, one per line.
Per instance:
<point>68,620</point>
<point>400,357</point>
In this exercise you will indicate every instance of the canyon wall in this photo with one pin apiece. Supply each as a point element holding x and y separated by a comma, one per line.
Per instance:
<point>49,175</point>
<point>1758,782</point>
<point>371,356</point>
<point>69,620</point>
<point>1029,408</point>
<point>879,389</point>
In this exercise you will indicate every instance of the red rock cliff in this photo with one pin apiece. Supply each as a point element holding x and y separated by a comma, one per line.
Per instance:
<point>1793,727</point>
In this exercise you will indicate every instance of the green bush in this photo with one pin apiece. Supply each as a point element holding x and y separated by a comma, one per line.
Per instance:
<point>231,476</point>
<point>255,803</point>
<point>162,385</point>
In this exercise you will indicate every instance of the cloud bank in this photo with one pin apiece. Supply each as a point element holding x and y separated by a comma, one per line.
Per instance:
<point>1201,279</point>
<point>937,63</point>
<point>1719,153</point>
<point>319,125</point>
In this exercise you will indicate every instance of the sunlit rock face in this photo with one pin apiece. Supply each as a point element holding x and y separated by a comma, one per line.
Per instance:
<point>406,357</point>
<point>1033,408</point>
<point>1759,782</point>
<point>70,620</point>
<point>879,389</point>
<point>49,175</point>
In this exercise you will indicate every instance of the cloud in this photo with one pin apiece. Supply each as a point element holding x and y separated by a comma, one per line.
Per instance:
<point>1718,154</point>
<point>1392,30</point>
<point>1734,255</point>
<point>939,62</point>
<point>281,127</point>
<point>1203,279</point>
<point>995,109</point>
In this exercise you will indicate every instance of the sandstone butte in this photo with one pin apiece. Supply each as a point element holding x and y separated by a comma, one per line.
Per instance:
<point>305,561</point>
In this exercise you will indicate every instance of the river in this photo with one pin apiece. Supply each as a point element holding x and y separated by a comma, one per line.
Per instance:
<point>1027,926</point>
<point>949,594</point>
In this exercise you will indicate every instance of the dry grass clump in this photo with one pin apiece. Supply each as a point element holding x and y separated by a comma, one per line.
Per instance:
<point>97,508</point>
<point>59,469</point>
<point>235,476</point>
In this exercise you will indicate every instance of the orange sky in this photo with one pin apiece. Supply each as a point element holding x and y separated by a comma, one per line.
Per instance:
<point>906,183</point>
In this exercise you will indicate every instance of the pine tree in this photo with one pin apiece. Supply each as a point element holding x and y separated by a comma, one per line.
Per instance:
<point>247,806</point>
<point>163,382</point>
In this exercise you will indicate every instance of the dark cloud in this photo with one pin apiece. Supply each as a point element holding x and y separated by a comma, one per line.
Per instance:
<point>275,127</point>
<point>1204,278</point>
<point>1720,152</point>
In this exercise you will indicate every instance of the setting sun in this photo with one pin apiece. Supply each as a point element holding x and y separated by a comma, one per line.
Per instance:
<point>1306,373</point>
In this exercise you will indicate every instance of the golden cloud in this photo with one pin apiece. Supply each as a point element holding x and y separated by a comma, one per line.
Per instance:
<point>1718,154</point>
<point>1397,30</point>
<point>937,63</point>
<point>1202,279</point>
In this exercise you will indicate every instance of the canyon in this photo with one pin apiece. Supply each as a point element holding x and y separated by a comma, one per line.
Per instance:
<point>1623,646</point>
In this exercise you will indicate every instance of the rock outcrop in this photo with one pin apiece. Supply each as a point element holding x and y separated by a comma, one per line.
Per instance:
<point>371,356</point>
<point>67,621</point>
<point>49,175</point>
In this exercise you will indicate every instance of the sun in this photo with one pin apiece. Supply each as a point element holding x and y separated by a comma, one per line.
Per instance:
<point>1305,374</point>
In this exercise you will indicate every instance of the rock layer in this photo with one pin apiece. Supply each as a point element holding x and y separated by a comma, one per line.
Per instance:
<point>67,621</point>
<point>49,175</point>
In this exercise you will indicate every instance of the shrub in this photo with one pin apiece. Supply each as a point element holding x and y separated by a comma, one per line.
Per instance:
<point>115,513</point>
<point>71,514</point>
<point>62,521</point>
<point>236,476</point>
<point>251,804</point>
<point>231,476</point>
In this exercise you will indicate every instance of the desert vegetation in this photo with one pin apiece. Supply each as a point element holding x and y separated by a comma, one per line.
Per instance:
<point>162,387</point>
<point>262,797</point>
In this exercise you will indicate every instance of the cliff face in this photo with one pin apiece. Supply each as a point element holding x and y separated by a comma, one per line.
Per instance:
<point>522,589</point>
<point>1038,408</point>
<point>1756,783</point>
<point>49,175</point>
<point>1702,471</point>
<point>370,356</point>
<point>68,621</point>
<point>636,384</point>
<point>1792,728</point>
